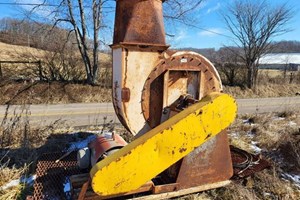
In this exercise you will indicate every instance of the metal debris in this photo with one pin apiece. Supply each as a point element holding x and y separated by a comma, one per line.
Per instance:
<point>246,164</point>
<point>51,176</point>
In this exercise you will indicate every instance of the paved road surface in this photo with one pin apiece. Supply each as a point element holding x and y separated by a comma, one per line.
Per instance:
<point>94,113</point>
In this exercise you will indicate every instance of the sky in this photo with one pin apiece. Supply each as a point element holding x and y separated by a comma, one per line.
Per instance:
<point>211,30</point>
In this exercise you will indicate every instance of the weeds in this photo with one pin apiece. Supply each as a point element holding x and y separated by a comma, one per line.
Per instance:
<point>20,146</point>
<point>52,93</point>
<point>264,90</point>
<point>277,136</point>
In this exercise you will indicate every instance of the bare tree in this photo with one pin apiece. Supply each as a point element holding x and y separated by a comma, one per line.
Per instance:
<point>181,10</point>
<point>83,18</point>
<point>80,28</point>
<point>229,65</point>
<point>86,18</point>
<point>253,24</point>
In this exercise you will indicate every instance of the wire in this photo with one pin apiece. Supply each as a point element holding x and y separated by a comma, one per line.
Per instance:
<point>41,4</point>
<point>210,31</point>
<point>27,4</point>
<point>203,29</point>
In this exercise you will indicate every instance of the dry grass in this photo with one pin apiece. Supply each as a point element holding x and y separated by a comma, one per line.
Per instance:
<point>52,93</point>
<point>13,52</point>
<point>278,137</point>
<point>56,92</point>
<point>276,134</point>
<point>264,90</point>
<point>263,185</point>
<point>61,65</point>
<point>20,146</point>
<point>272,73</point>
<point>6,175</point>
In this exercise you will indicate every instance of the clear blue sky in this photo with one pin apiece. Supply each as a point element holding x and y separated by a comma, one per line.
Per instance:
<point>212,20</point>
<point>209,19</point>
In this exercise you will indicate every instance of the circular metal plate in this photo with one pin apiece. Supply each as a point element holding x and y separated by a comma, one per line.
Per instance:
<point>152,94</point>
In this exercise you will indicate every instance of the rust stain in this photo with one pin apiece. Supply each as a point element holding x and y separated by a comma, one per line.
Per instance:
<point>181,150</point>
<point>208,136</point>
<point>200,112</point>
<point>139,21</point>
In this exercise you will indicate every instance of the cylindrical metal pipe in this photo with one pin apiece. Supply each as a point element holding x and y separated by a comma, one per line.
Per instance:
<point>139,22</point>
<point>103,146</point>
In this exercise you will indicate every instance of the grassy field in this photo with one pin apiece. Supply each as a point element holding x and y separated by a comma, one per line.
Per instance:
<point>51,93</point>
<point>264,90</point>
<point>15,52</point>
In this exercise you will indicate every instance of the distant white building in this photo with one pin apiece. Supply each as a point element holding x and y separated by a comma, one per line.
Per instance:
<point>280,61</point>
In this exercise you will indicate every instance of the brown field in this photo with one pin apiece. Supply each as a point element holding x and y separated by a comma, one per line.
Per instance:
<point>271,72</point>
<point>264,90</point>
<point>15,52</point>
<point>52,93</point>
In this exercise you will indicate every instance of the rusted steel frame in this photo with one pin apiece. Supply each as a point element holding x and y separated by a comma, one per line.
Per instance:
<point>89,194</point>
<point>140,46</point>
<point>157,189</point>
<point>131,66</point>
<point>210,163</point>
<point>84,189</point>
<point>182,192</point>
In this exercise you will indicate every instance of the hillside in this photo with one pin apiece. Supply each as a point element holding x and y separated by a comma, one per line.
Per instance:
<point>16,52</point>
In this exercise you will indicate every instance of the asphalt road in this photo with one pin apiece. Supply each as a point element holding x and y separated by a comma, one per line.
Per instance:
<point>89,114</point>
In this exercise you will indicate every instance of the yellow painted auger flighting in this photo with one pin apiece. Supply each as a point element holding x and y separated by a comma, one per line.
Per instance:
<point>149,155</point>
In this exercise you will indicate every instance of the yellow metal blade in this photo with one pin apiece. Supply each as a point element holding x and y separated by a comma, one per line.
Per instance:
<point>155,151</point>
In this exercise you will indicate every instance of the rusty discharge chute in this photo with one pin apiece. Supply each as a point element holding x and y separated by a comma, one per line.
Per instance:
<point>139,22</point>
